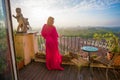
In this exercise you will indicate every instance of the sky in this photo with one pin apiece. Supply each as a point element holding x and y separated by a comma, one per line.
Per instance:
<point>69,13</point>
<point>1,11</point>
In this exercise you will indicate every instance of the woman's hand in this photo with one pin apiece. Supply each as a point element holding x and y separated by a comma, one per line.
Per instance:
<point>60,35</point>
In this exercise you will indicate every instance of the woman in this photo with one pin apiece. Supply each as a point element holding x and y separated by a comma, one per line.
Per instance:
<point>53,57</point>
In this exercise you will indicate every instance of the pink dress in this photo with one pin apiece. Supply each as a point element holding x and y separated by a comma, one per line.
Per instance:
<point>53,57</point>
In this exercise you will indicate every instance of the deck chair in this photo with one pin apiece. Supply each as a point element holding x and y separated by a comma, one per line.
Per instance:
<point>108,63</point>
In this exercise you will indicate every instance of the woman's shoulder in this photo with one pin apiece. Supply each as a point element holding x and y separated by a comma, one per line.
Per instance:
<point>50,26</point>
<point>44,24</point>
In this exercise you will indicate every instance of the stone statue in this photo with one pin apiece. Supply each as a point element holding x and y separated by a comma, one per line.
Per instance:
<point>23,24</point>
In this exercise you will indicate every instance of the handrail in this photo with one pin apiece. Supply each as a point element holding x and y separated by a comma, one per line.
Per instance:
<point>73,43</point>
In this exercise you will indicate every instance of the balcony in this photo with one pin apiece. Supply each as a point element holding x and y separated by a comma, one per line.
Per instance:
<point>70,46</point>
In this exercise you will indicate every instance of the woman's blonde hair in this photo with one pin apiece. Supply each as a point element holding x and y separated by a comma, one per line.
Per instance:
<point>50,20</point>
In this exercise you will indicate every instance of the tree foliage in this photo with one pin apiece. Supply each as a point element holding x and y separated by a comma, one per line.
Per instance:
<point>3,38</point>
<point>112,40</point>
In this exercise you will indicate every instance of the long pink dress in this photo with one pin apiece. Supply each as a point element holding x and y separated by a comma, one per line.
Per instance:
<point>53,57</point>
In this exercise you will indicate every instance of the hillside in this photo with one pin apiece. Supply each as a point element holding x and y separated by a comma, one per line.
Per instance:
<point>88,32</point>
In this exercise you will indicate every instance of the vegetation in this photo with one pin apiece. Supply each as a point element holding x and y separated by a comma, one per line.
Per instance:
<point>2,63</point>
<point>3,40</point>
<point>89,32</point>
<point>19,59</point>
<point>3,47</point>
<point>112,40</point>
<point>20,62</point>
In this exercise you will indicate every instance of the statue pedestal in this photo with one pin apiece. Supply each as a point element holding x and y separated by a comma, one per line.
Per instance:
<point>26,46</point>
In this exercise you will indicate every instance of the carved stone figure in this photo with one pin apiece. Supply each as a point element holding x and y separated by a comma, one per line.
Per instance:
<point>23,24</point>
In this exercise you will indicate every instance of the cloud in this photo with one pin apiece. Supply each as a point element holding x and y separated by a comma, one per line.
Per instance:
<point>63,4</point>
<point>67,12</point>
<point>95,4</point>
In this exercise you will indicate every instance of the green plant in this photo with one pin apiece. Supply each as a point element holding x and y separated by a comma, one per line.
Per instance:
<point>19,59</point>
<point>111,39</point>
<point>2,64</point>
<point>20,62</point>
<point>3,40</point>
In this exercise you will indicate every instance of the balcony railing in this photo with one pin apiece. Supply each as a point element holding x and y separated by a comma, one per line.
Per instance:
<point>74,43</point>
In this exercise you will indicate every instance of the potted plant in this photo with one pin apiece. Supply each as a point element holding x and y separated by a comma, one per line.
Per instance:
<point>20,62</point>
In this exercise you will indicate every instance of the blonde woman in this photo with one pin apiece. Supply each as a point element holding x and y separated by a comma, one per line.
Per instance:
<point>53,56</point>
